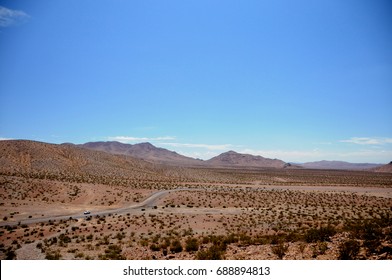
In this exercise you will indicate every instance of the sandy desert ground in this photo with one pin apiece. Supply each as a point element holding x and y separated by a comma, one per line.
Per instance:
<point>228,214</point>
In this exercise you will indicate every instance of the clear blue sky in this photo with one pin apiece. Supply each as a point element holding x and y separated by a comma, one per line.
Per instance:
<point>295,80</point>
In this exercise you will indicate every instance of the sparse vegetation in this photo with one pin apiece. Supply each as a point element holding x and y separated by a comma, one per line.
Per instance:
<point>349,250</point>
<point>280,250</point>
<point>216,214</point>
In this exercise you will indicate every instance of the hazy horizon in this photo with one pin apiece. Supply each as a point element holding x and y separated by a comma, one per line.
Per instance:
<point>299,81</point>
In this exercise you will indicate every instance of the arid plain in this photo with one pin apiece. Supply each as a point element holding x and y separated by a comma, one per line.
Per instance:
<point>143,209</point>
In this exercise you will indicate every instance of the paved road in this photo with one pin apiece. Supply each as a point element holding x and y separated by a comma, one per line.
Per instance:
<point>147,203</point>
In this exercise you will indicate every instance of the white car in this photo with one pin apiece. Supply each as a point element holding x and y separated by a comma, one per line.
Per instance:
<point>86,212</point>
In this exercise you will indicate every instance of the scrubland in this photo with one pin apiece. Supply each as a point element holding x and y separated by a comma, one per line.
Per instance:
<point>210,214</point>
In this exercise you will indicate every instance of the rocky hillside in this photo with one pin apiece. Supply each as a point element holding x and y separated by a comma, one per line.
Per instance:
<point>145,151</point>
<point>387,168</point>
<point>234,159</point>
<point>31,157</point>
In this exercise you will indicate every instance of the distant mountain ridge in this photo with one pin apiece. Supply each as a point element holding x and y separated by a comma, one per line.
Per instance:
<point>232,158</point>
<point>384,168</point>
<point>25,155</point>
<point>145,151</point>
<point>149,152</point>
<point>340,165</point>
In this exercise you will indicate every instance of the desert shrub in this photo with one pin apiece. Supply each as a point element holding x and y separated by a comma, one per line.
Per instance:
<point>231,238</point>
<point>372,232</point>
<point>155,247</point>
<point>72,250</point>
<point>276,239</point>
<point>165,243</point>
<point>205,239</point>
<point>50,255</point>
<point>293,237</point>
<point>64,238</point>
<point>245,239</point>
<point>372,246</point>
<point>113,252</point>
<point>215,252</point>
<point>320,249</point>
<point>385,252</point>
<point>120,236</point>
<point>79,255</point>
<point>191,245</point>
<point>144,242</point>
<point>10,254</point>
<point>53,240</point>
<point>349,250</point>
<point>261,240</point>
<point>176,246</point>
<point>319,234</point>
<point>369,229</point>
<point>280,250</point>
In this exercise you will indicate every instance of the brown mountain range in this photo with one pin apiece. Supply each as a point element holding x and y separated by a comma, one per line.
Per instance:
<point>124,160</point>
<point>32,157</point>
<point>234,159</point>
<point>149,152</point>
<point>145,151</point>
<point>338,165</point>
<point>384,168</point>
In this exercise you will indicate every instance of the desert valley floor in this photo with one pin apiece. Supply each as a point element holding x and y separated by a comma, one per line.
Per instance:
<point>189,213</point>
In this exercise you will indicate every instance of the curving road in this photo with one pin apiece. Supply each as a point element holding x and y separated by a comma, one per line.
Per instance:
<point>149,202</point>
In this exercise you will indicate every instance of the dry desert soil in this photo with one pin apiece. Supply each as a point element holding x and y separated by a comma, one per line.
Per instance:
<point>140,210</point>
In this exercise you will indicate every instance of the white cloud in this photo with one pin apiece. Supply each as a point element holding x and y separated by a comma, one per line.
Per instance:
<point>131,139</point>
<point>10,17</point>
<point>284,155</point>
<point>368,141</point>
<point>377,154</point>
<point>205,155</point>
<point>300,156</point>
<point>362,156</point>
<point>222,147</point>
<point>4,139</point>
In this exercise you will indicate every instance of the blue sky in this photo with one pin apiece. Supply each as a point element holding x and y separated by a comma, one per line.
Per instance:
<point>295,80</point>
